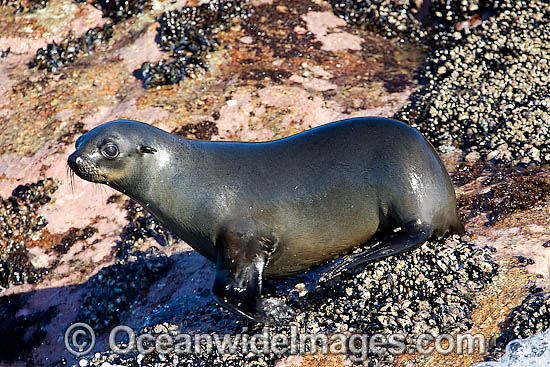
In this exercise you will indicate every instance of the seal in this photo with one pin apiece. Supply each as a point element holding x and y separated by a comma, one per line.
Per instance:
<point>280,207</point>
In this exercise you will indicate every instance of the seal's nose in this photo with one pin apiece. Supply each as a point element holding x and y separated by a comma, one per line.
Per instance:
<point>73,161</point>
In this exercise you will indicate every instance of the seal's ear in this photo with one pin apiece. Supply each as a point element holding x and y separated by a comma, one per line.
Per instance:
<point>146,149</point>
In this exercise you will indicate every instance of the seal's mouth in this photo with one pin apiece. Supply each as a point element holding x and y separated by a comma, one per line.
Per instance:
<point>85,169</point>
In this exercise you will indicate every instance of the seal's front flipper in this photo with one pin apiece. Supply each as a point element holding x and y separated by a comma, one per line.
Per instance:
<point>240,265</point>
<point>412,235</point>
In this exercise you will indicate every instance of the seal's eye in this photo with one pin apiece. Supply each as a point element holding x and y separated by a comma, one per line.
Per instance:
<point>109,151</point>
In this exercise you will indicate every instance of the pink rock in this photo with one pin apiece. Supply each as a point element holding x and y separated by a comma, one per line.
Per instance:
<point>143,49</point>
<point>24,45</point>
<point>291,361</point>
<point>300,30</point>
<point>525,239</point>
<point>126,109</point>
<point>341,41</point>
<point>79,18</point>
<point>278,96</point>
<point>316,84</point>
<point>319,23</point>
<point>261,2</point>
<point>246,40</point>
<point>86,16</point>
<point>5,85</point>
<point>64,114</point>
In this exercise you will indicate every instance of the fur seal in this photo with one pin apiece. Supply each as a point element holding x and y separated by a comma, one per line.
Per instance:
<point>279,207</point>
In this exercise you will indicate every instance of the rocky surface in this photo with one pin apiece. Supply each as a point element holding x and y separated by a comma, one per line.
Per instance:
<point>530,317</point>
<point>487,88</point>
<point>471,75</point>
<point>20,226</point>
<point>428,290</point>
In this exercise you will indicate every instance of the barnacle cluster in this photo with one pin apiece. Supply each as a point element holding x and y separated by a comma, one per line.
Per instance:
<point>55,55</point>
<point>486,89</point>
<point>121,9</point>
<point>426,290</point>
<point>485,84</point>
<point>113,290</point>
<point>189,35</point>
<point>532,316</point>
<point>21,6</point>
<point>20,225</point>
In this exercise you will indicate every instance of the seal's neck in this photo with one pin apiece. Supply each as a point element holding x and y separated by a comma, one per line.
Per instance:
<point>156,185</point>
<point>168,189</point>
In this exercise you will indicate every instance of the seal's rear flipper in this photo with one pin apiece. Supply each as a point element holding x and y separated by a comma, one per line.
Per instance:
<point>458,227</point>
<point>238,282</point>
<point>412,235</point>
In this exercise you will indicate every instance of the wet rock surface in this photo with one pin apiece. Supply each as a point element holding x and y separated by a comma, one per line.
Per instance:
<point>21,332</point>
<point>262,70</point>
<point>506,190</point>
<point>113,290</point>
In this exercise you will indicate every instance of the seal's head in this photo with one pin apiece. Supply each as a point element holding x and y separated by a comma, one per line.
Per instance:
<point>114,153</point>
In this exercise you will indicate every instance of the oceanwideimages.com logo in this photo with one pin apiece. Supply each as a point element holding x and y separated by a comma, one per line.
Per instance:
<point>80,340</point>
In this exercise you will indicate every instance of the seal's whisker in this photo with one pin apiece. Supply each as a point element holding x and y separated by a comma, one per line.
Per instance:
<point>103,191</point>
<point>70,177</point>
<point>97,187</point>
